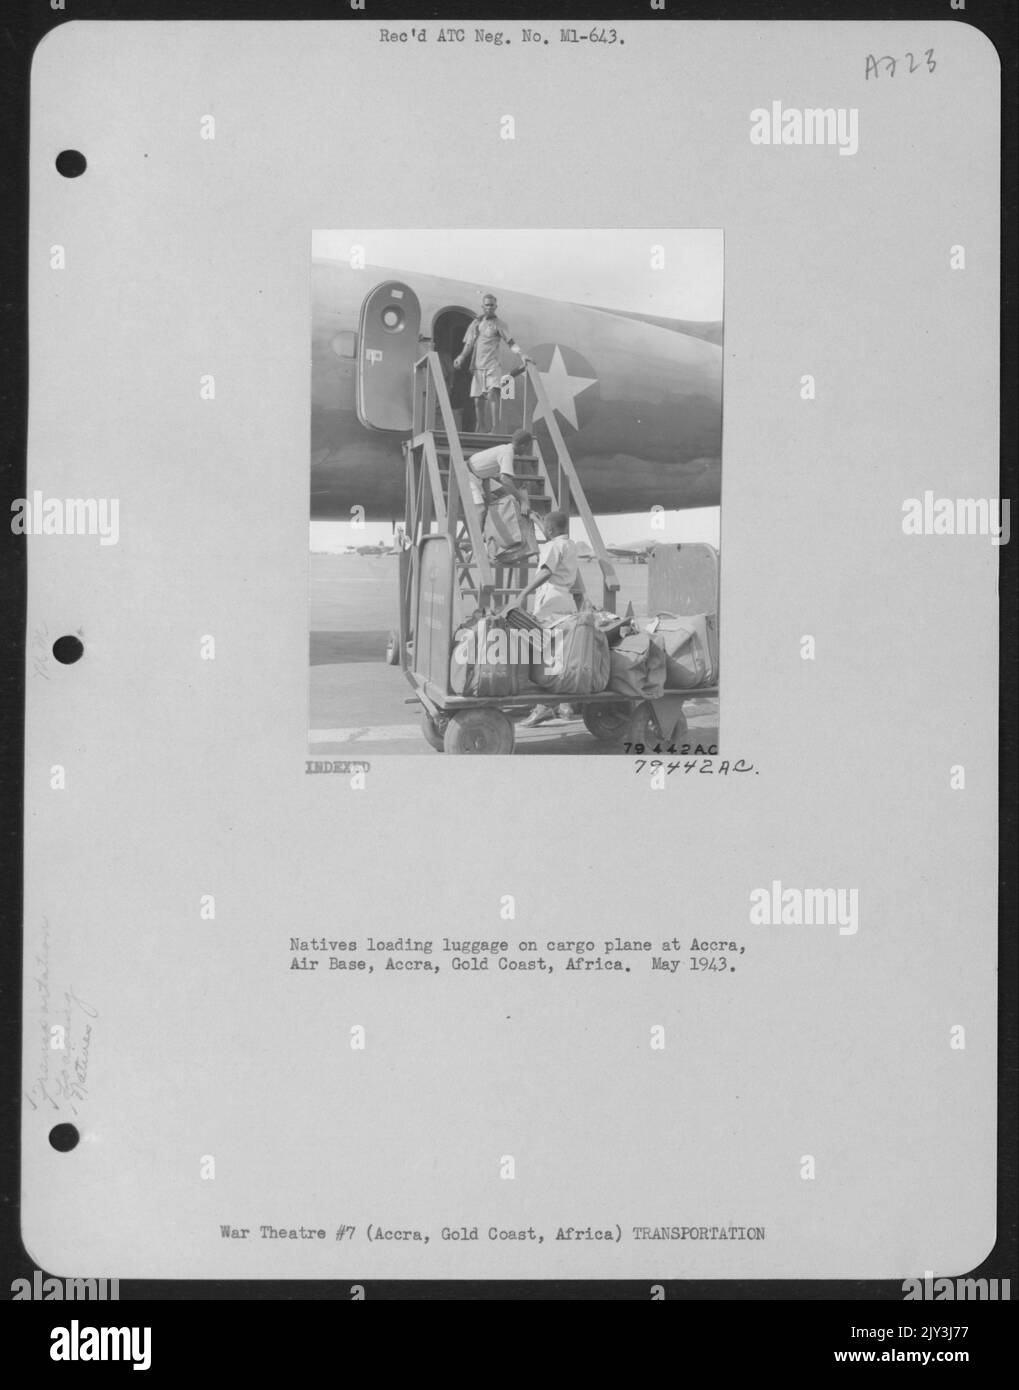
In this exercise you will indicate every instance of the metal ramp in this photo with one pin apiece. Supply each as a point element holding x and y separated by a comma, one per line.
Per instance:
<point>438,494</point>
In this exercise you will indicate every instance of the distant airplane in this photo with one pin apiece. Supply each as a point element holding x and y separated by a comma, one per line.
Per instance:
<point>637,551</point>
<point>637,396</point>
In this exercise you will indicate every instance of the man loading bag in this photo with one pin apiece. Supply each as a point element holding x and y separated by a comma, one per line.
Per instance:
<point>504,507</point>
<point>582,664</point>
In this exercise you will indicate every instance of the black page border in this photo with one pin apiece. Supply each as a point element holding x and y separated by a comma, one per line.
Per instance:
<point>22,26</point>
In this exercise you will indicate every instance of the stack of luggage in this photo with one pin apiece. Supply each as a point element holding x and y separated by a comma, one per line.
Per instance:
<point>569,657</point>
<point>584,653</point>
<point>670,653</point>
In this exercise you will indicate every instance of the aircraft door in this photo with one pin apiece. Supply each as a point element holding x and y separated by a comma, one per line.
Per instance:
<point>388,347</point>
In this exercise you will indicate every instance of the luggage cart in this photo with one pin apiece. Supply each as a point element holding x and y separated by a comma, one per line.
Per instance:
<point>454,723</point>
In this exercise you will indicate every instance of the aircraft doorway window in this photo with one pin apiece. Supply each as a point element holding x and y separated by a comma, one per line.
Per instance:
<point>394,320</point>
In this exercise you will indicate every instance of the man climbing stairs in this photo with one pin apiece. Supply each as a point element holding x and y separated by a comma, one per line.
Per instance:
<point>439,492</point>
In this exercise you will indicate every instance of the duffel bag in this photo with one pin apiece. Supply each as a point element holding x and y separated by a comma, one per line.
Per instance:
<point>480,662</point>
<point>580,665</point>
<point>690,646</point>
<point>508,534</point>
<point>638,667</point>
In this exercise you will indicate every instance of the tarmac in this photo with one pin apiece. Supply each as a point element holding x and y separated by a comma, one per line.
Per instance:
<point>357,703</point>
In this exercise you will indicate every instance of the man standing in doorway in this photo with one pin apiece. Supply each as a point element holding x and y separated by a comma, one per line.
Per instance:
<point>481,346</point>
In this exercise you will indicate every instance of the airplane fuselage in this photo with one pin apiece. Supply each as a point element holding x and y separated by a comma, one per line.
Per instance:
<point>639,403</point>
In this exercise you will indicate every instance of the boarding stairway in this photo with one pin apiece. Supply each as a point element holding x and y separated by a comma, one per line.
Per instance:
<point>438,492</point>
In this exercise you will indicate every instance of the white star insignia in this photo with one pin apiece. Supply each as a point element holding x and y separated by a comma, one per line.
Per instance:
<point>562,389</point>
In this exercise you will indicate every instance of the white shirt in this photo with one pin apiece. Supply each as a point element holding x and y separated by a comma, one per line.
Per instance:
<point>559,556</point>
<point>489,463</point>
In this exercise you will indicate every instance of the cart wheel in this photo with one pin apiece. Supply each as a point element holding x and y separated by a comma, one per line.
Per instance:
<point>393,649</point>
<point>643,728</point>
<point>433,731</point>
<point>479,731</point>
<point>607,722</point>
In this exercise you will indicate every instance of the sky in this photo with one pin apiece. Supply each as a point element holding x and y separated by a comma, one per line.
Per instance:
<point>693,524</point>
<point>609,267</point>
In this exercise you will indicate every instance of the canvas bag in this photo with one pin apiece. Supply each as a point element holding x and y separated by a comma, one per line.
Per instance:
<point>582,658</point>
<point>506,529</point>
<point>482,677</point>
<point>690,645</point>
<point>638,667</point>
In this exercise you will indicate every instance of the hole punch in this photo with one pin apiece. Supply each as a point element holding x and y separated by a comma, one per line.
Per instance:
<point>68,650</point>
<point>64,1138</point>
<point>71,163</point>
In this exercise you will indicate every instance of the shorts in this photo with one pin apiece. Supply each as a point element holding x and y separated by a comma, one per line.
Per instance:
<point>486,379</point>
<point>551,604</point>
<point>477,492</point>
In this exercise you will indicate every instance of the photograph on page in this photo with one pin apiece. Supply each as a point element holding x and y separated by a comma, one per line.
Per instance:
<point>515,498</point>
